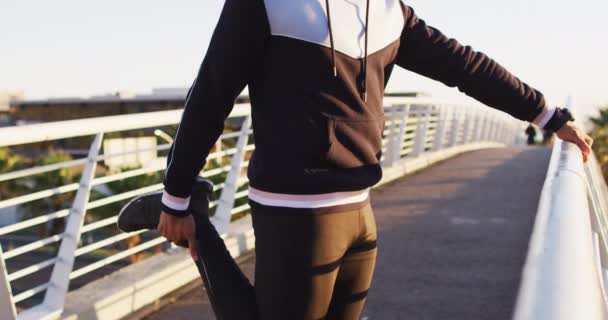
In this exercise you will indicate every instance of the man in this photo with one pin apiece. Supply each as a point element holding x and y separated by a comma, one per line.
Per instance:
<point>316,72</point>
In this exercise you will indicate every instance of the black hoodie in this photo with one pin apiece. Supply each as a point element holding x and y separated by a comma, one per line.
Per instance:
<point>316,77</point>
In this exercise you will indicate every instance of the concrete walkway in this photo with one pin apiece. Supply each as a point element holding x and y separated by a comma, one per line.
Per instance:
<point>452,240</point>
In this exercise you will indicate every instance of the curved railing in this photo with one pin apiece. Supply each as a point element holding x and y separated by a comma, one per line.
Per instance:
<point>81,252</point>
<point>566,269</point>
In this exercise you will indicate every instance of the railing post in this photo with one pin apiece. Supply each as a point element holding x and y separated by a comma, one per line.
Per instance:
<point>421,129</point>
<point>503,132</point>
<point>485,131</point>
<point>223,213</point>
<point>218,151</point>
<point>54,298</point>
<point>7,306</point>
<point>398,146</point>
<point>440,133</point>
<point>467,127</point>
<point>390,139</point>
<point>498,128</point>
<point>477,126</point>
<point>518,135</point>
<point>492,131</point>
<point>455,128</point>
<point>394,141</point>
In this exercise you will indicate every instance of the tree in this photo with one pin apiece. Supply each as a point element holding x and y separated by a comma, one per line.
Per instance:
<point>602,120</point>
<point>53,179</point>
<point>9,162</point>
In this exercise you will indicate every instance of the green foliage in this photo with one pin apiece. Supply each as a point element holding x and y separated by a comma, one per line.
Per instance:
<point>10,162</point>
<point>49,180</point>
<point>54,178</point>
<point>601,121</point>
<point>133,183</point>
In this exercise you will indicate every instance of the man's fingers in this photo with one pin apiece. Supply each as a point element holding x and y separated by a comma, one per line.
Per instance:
<point>582,143</point>
<point>589,140</point>
<point>192,246</point>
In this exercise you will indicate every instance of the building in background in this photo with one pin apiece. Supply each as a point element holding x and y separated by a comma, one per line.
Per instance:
<point>6,99</point>
<point>69,108</point>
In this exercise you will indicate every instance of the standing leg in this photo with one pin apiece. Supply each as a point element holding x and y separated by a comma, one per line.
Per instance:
<point>356,272</point>
<point>299,253</point>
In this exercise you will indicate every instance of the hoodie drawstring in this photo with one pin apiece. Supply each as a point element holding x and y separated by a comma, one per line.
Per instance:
<point>363,92</point>
<point>331,39</point>
<point>365,58</point>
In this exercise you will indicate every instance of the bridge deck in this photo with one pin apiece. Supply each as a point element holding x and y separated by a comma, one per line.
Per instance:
<point>452,240</point>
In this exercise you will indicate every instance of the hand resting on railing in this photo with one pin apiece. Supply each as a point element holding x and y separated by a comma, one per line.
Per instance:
<point>570,132</point>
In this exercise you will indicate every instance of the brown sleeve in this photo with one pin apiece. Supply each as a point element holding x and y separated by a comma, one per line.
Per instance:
<point>428,52</point>
<point>234,54</point>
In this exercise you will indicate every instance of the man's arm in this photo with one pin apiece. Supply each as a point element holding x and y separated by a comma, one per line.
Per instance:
<point>234,54</point>
<point>428,52</point>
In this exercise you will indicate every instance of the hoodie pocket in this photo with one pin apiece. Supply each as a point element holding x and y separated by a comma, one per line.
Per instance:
<point>300,138</point>
<point>354,143</point>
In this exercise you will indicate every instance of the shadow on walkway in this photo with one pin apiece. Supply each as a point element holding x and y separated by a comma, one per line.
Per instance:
<point>453,238</point>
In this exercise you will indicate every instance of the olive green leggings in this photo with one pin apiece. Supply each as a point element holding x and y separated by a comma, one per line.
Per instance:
<point>312,264</point>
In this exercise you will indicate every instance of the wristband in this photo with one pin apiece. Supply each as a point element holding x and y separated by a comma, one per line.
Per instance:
<point>176,213</point>
<point>558,120</point>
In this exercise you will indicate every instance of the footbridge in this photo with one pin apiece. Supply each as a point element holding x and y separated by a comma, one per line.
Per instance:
<point>471,223</point>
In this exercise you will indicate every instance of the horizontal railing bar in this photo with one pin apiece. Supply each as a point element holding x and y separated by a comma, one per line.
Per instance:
<point>128,174</point>
<point>104,262</point>
<point>239,209</point>
<point>408,143</point>
<point>49,131</point>
<point>34,221</point>
<point>215,171</point>
<point>241,194</point>
<point>38,195</point>
<point>405,152</point>
<point>30,293</point>
<point>41,169</point>
<point>99,224</point>
<point>31,269</point>
<point>32,246</point>
<point>124,196</point>
<point>106,242</point>
<point>125,153</point>
<point>223,153</point>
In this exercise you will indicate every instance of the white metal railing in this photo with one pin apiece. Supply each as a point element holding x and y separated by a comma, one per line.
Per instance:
<point>412,127</point>
<point>566,270</point>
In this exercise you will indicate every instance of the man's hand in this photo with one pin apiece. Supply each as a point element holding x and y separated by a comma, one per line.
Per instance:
<point>570,132</point>
<point>179,229</point>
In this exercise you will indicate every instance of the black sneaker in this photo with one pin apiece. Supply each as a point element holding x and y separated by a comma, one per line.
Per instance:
<point>230,293</point>
<point>143,212</point>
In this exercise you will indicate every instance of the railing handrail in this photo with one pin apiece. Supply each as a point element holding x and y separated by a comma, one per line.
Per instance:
<point>48,131</point>
<point>563,274</point>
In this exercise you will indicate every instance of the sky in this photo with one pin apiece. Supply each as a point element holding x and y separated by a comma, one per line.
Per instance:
<point>69,48</point>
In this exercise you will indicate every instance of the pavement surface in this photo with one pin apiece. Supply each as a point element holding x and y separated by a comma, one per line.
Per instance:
<point>452,241</point>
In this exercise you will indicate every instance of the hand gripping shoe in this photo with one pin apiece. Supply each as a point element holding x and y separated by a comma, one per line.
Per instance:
<point>230,293</point>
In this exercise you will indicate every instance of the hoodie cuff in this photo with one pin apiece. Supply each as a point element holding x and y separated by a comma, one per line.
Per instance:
<point>543,118</point>
<point>175,206</point>
<point>558,120</point>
